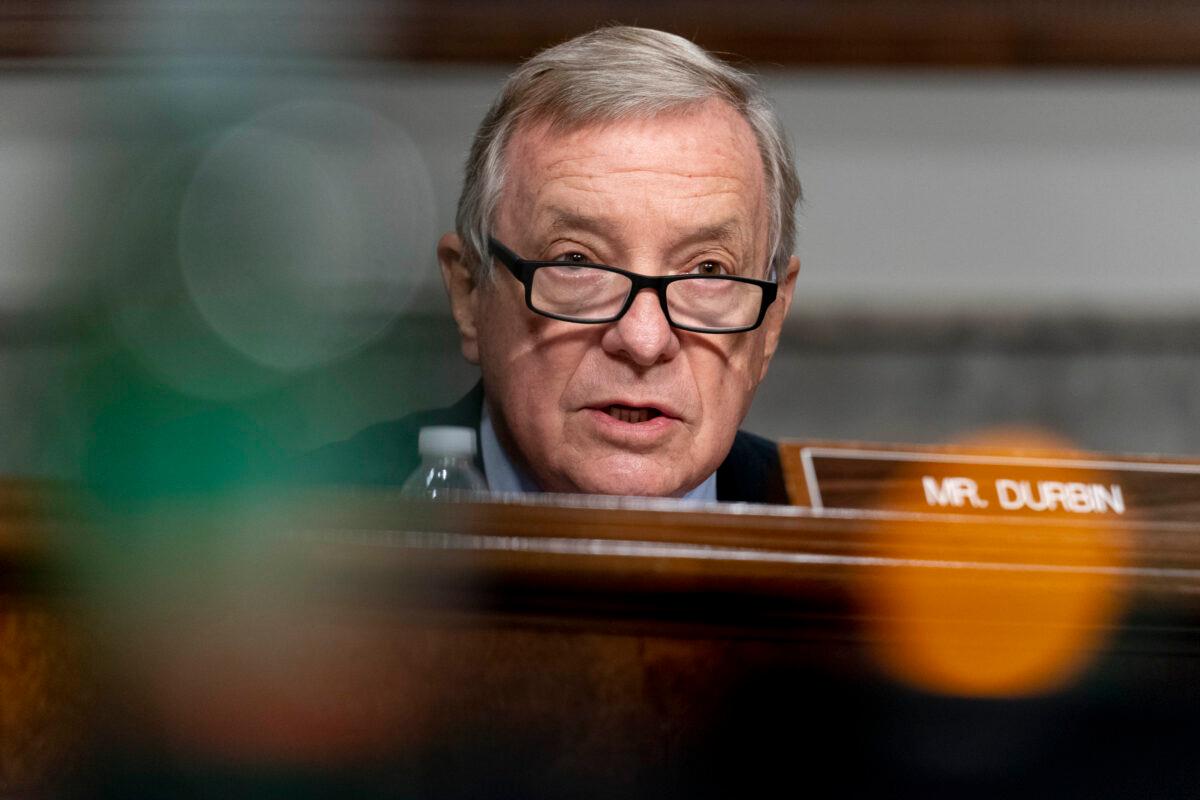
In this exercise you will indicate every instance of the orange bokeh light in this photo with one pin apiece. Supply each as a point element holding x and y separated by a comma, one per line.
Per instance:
<point>989,606</point>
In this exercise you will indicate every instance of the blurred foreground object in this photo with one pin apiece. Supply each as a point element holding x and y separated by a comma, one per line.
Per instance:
<point>355,642</point>
<point>891,32</point>
<point>45,680</point>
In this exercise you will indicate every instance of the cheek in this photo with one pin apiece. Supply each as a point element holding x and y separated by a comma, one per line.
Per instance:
<point>501,341</point>
<point>527,363</point>
<point>752,361</point>
<point>504,325</point>
<point>726,375</point>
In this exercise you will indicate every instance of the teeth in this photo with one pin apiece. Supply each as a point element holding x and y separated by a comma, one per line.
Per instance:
<point>632,415</point>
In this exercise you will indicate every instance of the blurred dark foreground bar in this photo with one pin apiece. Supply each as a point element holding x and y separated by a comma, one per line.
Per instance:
<point>357,644</point>
<point>895,33</point>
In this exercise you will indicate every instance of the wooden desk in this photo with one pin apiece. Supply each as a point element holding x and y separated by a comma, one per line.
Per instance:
<point>356,644</point>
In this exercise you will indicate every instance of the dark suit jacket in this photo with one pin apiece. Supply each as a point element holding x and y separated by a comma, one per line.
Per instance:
<point>386,454</point>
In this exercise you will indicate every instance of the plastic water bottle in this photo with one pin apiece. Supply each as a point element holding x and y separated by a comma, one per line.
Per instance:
<point>447,463</point>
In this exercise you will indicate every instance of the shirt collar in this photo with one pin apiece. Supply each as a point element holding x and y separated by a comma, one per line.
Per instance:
<point>505,476</point>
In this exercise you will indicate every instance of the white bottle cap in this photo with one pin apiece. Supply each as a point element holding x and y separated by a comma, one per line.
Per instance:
<point>446,441</point>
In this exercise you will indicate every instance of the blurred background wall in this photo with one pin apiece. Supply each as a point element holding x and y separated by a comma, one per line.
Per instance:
<point>231,210</point>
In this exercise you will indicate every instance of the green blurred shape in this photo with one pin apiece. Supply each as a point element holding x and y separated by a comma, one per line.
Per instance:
<point>149,443</point>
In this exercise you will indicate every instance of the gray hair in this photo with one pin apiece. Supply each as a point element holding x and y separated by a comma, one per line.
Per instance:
<point>611,74</point>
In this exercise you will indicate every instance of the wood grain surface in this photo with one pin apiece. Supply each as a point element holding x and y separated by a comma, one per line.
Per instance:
<point>336,642</point>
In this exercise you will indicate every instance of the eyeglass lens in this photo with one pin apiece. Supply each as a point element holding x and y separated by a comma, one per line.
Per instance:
<point>580,292</point>
<point>588,294</point>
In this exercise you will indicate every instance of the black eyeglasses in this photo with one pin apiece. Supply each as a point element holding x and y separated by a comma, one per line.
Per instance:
<point>594,293</point>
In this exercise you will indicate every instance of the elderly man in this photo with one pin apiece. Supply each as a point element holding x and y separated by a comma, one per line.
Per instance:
<point>620,272</point>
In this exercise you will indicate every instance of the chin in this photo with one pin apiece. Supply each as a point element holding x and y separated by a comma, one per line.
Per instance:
<point>642,483</point>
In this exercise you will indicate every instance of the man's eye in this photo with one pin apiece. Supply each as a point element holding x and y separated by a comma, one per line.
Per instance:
<point>574,257</point>
<point>710,268</point>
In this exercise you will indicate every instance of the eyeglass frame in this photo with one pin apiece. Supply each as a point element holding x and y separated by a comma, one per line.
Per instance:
<point>523,270</point>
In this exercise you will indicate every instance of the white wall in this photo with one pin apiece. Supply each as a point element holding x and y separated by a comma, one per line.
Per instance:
<point>1025,191</point>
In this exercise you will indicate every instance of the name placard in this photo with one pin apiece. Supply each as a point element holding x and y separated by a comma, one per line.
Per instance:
<point>963,481</point>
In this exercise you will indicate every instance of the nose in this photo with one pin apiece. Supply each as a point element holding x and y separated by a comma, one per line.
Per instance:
<point>643,335</point>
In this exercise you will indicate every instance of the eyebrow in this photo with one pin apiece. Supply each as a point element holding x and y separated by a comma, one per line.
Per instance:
<point>568,221</point>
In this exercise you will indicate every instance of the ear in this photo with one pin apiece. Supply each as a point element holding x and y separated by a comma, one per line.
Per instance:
<point>463,291</point>
<point>773,324</point>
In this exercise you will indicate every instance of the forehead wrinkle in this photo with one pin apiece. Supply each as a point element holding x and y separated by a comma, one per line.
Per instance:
<point>730,140</point>
<point>726,231</point>
<point>681,182</point>
<point>679,185</point>
<point>731,150</point>
<point>572,164</point>
<point>554,166</point>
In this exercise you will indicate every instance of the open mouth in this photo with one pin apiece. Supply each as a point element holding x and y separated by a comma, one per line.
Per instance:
<point>632,415</point>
